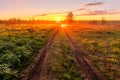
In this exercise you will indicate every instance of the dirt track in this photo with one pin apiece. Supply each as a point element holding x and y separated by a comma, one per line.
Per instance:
<point>90,71</point>
<point>37,70</point>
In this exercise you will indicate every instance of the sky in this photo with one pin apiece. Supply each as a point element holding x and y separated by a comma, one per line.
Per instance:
<point>54,9</point>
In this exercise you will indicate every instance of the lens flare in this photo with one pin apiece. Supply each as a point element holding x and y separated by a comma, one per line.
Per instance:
<point>64,25</point>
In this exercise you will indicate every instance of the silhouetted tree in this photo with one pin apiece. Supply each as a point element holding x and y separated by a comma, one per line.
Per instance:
<point>69,17</point>
<point>0,21</point>
<point>33,19</point>
<point>12,20</point>
<point>103,21</point>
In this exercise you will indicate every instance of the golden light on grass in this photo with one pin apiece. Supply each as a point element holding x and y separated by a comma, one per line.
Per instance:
<point>64,25</point>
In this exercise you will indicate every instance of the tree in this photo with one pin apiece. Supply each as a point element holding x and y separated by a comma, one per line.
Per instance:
<point>69,17</point>
<point>103,21</point>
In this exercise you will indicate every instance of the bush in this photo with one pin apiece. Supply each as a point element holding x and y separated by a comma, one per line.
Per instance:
<point>10,59</point>
<point>7,46</point>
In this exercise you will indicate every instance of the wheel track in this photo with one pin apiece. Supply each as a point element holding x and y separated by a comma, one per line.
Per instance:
<point>90,71</point>
<point>35,72</point>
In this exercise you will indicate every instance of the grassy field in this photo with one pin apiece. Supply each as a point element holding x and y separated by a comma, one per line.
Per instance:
<point>61,63</point>
<point>101,45</point>
<point>18,46</point>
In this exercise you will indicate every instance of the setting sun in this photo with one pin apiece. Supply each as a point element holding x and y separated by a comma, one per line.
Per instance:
<point>59,18</point>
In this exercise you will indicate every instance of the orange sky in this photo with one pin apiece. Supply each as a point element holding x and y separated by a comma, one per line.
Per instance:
<point>94,17</point>
<point>82,9</point>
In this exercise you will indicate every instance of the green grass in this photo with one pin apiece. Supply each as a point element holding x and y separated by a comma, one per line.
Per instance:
<point>61,63</point>
<point>17,46</point>
<point>102,47</point>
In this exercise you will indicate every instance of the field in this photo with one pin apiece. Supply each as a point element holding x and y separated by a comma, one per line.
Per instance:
<point>58,52</point>
<point>19,44</point>
<point>101,45</point>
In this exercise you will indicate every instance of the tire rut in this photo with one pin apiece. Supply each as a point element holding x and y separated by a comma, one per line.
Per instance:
<point>89,70</point>
<point>36,71</point>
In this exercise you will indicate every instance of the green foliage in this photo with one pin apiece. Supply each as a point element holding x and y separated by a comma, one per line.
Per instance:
<point>10,59</point>
<point>7,46</point>
<point>21,41</point>
<point>17,46</point>
<point>102,46</point>
<point>34,45</point>
<point>6,73</point>
<point>61,65</point>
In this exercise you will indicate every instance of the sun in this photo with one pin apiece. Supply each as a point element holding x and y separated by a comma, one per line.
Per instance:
<point>59,18</point>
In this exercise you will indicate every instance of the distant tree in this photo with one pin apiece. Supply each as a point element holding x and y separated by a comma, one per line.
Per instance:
<point>69,17</point>
<point>30,19</point>
<point>18,19</point>
<point>12,19</point>
<point>103,21</point>
<point>33,19</point>
<point>0,21</point>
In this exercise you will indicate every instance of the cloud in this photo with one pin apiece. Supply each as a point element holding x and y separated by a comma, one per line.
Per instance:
<point>79,9</point>
<point>64,12</point>
<point>85,12</point>
<point>45,14</point>
<point>100,12</point>
<point>94,4</point>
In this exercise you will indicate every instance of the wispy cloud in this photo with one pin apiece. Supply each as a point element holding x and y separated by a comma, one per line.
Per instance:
<point>85,12</point>
<point>64,12</point>
<point>100,12</point>
<point>79,9</point>
<point>45,14</point>
<point>94,4</point>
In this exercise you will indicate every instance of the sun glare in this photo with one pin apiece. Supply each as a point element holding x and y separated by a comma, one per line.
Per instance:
<point>58,19</point>
<point>63,25</point>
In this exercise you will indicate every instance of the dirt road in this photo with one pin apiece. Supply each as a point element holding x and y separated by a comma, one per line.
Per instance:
<point>37,70</point>
<point>89,70</point>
